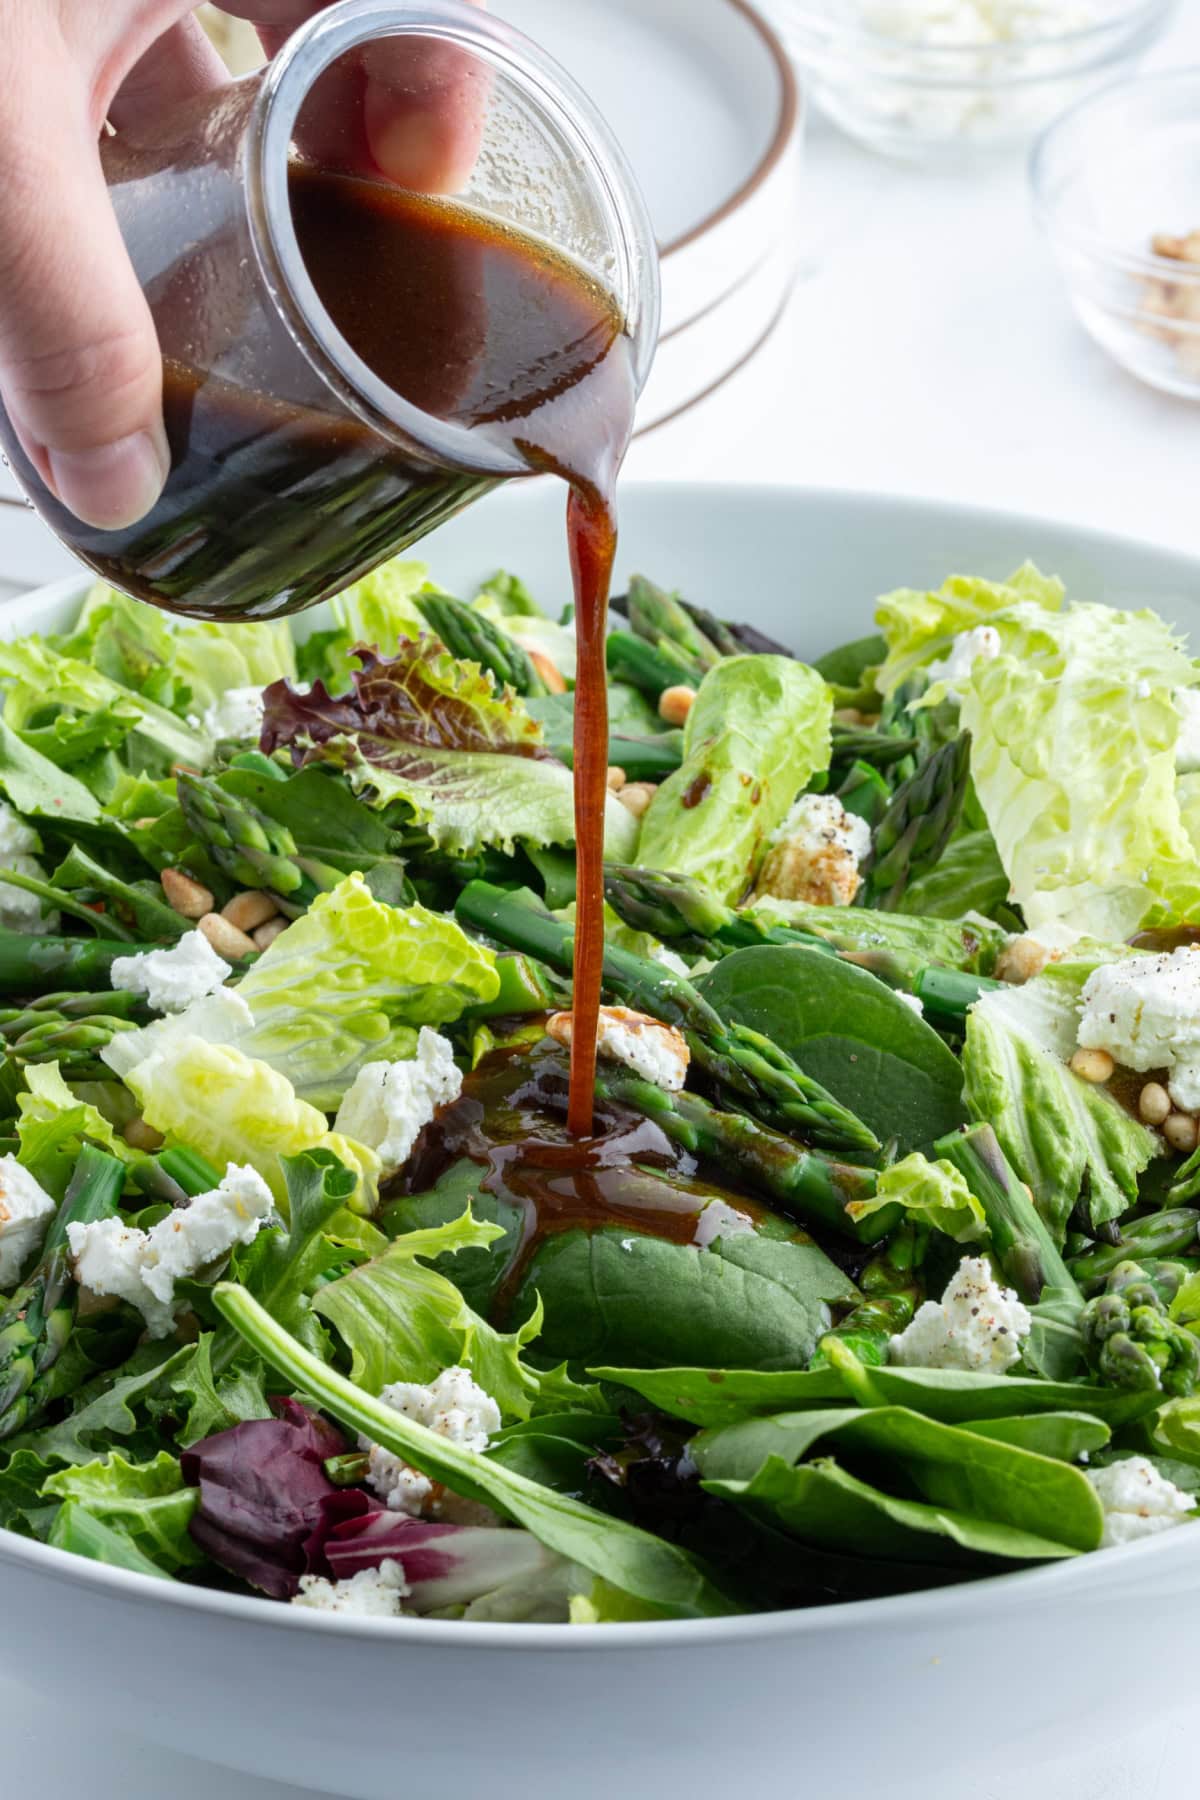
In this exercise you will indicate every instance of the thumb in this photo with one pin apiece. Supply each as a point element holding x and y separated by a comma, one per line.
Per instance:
<point>80,368</point>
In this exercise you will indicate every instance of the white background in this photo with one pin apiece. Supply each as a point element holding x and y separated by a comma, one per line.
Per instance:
<point>928,350</point>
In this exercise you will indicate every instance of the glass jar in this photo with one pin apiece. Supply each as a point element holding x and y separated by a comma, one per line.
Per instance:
<point>295,467</point>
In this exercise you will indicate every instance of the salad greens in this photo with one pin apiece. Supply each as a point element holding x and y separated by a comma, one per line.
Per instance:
<point>870,1266</point>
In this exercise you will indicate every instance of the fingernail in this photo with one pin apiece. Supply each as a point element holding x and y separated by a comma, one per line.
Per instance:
<point>115,484</point>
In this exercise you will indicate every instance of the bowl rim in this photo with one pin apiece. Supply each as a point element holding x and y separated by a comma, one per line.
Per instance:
<point>1050,217</point>
<point>926,1608</point>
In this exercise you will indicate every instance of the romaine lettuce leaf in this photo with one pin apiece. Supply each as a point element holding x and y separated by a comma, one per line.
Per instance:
<point>436,733</point>
<point>1056,1129</point>
<point>160,737</point>
<point>758,730</point>
<point>184,664</point>
<point>347,983</point>
<point>350,981</point>
<point>920,628</point>
<point>931,1193</point>
<point>1074,729</point>
<point>233,1108</point>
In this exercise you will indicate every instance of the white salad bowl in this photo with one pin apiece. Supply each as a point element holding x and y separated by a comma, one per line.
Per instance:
<point>970,1681</point>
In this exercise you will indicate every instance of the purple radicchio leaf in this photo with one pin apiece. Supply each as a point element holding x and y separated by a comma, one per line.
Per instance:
<point>262,1487</point>
<point>444,1565</point>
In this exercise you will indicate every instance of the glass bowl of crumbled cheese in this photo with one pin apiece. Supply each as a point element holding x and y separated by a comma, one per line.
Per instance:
<point>1116,185</point>
<point>947,78</point>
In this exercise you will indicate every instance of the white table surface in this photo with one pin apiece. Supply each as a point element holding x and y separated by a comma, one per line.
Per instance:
<point>928,350</point>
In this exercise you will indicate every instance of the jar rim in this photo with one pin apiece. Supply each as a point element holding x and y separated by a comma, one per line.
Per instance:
<point>283,88</point>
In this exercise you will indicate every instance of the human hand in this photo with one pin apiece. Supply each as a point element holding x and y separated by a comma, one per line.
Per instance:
<point>80,368</point>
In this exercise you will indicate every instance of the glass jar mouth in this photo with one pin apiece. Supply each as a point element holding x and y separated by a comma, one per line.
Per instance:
<point>573,116</point>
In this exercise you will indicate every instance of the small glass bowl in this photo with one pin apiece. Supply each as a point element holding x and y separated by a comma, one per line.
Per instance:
<point>1116,185</point>
<point>948,101</point>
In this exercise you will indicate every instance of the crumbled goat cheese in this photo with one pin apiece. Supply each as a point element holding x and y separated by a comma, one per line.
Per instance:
<point>370,1594</point>
<point>1187,744</point>
<point>670,959</point>
<point>1003,55</point>
<point>237,713</point>
<point>969,647</point>
<point>389,1104</point>
<point>814,855</point>
<point>655,1051</point>
<point>111,1257</point>
<point>975,1325</point>
<point>453,1405</point>
<point>911,1000</point>
<point>1138,1502</point>
<point>720,1220</point>
<point>172,979</point>
<point>1145,1011</point>
<point>25,1212</point>
<point>19,910</point>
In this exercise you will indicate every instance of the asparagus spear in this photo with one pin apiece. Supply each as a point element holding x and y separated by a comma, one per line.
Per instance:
<point>74,1044</point>
<point>651,667</point>
<point>40,1316</point>
<point>882,749</point>
<point>660,618</point>
<point>1022,1245</point>
<point>892,1290</point>
<point>917,826</point>
<point>678,909</point>
<point>739,1062</point>
<point>806,1185</point>
<point>253,849</point>
<point>468,634</point>
<point>1167,1233</point>
<point>526,986</point>
<point>39,965</point>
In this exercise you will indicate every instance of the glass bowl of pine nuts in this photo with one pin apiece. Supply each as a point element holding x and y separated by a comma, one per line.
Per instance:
<point>1116,185</point>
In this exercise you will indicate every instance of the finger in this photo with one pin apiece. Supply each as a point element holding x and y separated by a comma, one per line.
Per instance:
<point>178,66</point>
<point>80,368</point>
<point>424,110</point>
<point>422,107</point>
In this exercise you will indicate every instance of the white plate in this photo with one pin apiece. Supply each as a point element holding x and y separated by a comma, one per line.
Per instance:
<point>979,1678</point>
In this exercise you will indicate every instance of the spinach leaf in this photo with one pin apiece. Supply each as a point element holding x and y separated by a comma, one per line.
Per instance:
<point>713,1396</point>
<point>982,1478</point>
<point>967,877</point>
<point>848,1031</point>
<point>614,1296</point>
<point>846,665</point>
<point>1065,1435</point>
<point>825,1506</point>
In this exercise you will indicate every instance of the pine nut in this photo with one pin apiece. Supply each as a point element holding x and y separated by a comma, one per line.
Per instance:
<point>637,795</point>
<point>225,938</point>
<point>190,899</point>
<point>552,676</point>
<point>266,934</point>
<point>675,703</point>
<point>1154,1103</point>
<point>1180,1131</point>
<point>140,1136</point>
<point>616,778</point>
<point>250,909</point>
<point>1093,1065</point>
